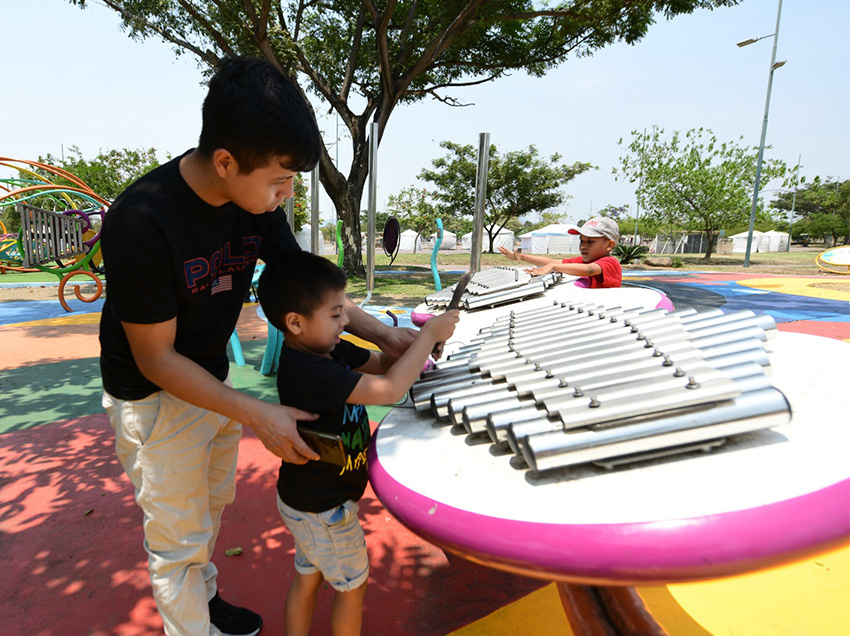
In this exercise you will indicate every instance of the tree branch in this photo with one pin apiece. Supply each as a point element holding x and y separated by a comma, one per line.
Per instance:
<point>352,59</point>
<point>207,56</point>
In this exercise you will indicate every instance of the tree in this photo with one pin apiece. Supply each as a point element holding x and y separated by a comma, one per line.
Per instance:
<point>110,172</point>
<point>696,182</point>
<point>377,57</point>
<point>518,183</point>
<point>824,206</point>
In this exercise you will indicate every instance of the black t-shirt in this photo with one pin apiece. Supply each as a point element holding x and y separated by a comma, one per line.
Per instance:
<point>169,254</point>
<point>322,385</point>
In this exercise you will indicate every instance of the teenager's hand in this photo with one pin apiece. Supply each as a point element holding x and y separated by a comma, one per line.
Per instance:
<point>395,340</point>
<point>441,327</point>
<point>509,254</point>
<point>277,430</point>
<point>542,269</point>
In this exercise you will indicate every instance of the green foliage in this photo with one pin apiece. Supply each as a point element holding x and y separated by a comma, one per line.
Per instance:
<point>301,205</point>
<point>694,182</point>
<point>374,57</point>
<point>628,253</point>
<point>519,182</point>
<point>109,173</point>
<point>821,208</point>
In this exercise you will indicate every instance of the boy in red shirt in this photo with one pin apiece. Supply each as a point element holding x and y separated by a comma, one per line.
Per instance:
<point>598,237</point>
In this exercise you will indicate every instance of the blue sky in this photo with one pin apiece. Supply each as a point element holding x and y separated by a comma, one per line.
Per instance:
<point>85,83</point>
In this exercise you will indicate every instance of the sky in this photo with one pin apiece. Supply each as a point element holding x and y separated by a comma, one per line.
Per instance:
<point>71,77</point>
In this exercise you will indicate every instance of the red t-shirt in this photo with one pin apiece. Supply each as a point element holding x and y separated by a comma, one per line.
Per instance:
<point>612,273</point>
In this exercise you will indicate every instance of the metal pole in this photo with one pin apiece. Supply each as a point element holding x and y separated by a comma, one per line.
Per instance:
<point>480,196</point>
<point>315,230</point>
<point>290,213</point>
<point>794,200</point>
<point>370,232</point>
<point>761,143</point>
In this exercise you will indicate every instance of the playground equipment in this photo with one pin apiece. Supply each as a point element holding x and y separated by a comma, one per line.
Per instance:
<point>392,235</point>
<point>835,260</point>
<point>62,240</point>
<point>437,284</point>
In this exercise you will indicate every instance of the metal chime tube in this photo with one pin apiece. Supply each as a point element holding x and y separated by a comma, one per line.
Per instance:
<point>499,419</point>
<point>711,390</point>
<point>592,342</point>
<point>516,432</point>
<point>748,412</point>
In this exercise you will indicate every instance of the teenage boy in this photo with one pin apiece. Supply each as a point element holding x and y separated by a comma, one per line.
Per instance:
<point>303,295</point>
<point>598,237</point>
<point>180,247</point>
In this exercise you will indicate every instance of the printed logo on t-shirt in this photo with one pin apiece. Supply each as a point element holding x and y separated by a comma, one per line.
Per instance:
<point>356,438</point>
<point>203,273</point>
<point>222,283</point>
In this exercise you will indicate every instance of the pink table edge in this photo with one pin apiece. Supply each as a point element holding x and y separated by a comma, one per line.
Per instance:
<point>660,552</point>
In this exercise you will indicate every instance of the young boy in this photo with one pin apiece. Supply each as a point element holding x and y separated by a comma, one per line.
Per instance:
<point>303,296</point>
<point>180,245</point>
<point>598,237</point>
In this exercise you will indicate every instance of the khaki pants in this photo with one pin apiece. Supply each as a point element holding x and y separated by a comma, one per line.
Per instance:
<point>182,462</point>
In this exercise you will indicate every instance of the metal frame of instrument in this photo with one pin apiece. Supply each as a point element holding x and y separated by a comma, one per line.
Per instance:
<point>575,383</point>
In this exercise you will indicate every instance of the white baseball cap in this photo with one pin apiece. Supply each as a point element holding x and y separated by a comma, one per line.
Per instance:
<point>599,226</point>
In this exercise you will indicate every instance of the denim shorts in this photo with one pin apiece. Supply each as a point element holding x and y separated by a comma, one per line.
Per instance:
<point>330,542</point>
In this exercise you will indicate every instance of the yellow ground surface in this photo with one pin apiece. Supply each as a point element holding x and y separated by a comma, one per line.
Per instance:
<point>807,598</point>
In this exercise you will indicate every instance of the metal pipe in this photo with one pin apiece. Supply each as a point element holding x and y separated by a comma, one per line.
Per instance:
<point>480,198</point>
<point>518,431</point>
<point>315,230</point>
<point>748,412</point>
<point>474,418</point>
<point>476,302</point>
<point>616,410</point>
<point>441,403</point>
<point>502,420</point>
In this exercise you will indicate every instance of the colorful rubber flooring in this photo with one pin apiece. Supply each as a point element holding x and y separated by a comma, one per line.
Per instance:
<point>71,539</point>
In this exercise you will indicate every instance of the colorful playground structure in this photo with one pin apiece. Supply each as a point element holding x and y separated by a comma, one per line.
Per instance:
<point>58,231</point>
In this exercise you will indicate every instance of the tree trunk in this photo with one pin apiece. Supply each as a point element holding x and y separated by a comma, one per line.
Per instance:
<point>346,195</point>
<point>710,248</point>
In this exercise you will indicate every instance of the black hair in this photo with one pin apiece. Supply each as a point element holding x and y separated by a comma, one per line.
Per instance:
<point>255,112</point>
<point>299,282</point>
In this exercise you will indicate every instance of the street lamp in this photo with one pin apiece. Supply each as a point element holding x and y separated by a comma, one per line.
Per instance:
<point>773,66</point>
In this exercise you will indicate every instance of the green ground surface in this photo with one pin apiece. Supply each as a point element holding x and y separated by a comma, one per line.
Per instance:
<point>72,388</point>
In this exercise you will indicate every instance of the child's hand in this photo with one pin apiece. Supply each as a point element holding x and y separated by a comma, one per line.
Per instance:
<point>542,269</point>
<point>440,328</point>
<point>509,254</point>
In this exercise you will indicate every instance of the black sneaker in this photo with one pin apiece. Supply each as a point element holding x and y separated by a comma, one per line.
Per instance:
<point>232,620</point>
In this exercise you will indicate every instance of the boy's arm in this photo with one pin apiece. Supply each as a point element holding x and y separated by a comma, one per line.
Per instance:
<point>391,387</point>
<point>153,350</point>
<point>391,340</point>
<point>572,269</point>
<point>534,259</point>
<point>377,364</point>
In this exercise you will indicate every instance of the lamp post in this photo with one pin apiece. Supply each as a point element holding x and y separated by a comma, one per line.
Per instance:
<point>773,66</point>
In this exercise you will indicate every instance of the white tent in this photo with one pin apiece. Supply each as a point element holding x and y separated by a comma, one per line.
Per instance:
<point>449,240</point>
<point>739,242</point>
<point>773,241</point>
<point>505,238</point>
<point>410,240</point>
<point>304,236</point>
<point>551,239</point>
